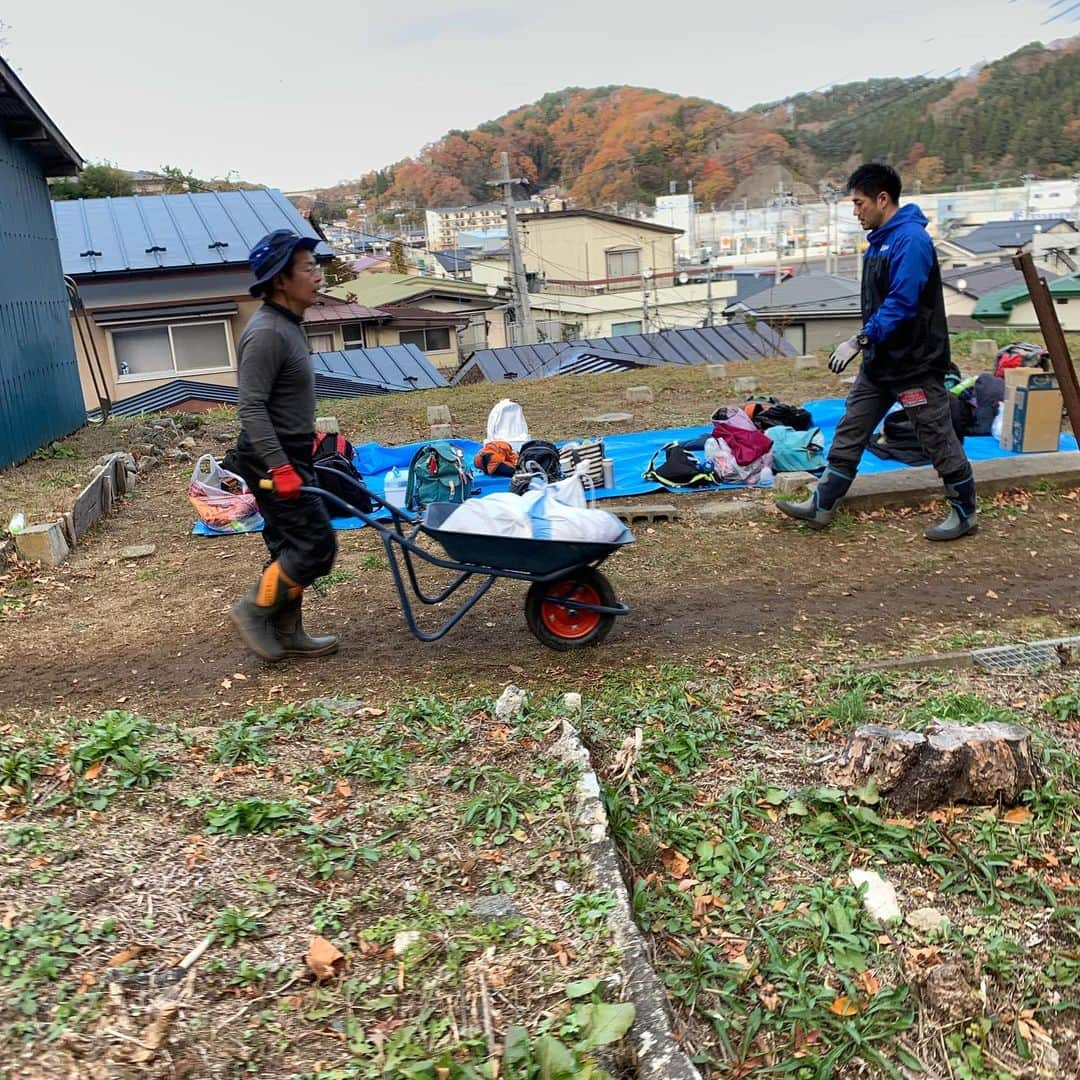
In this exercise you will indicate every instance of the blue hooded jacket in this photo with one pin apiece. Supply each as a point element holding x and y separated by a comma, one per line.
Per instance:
<point>903,307</point>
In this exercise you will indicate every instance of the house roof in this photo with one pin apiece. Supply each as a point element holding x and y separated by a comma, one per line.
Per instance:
<point>596,215</point>
<point>994,236</point>
<point>454,261</point>
<point>518,204</point>
<point>405,313</point>
<point>332,310</point>
<point>804,294</point>
<point>393,367</point>
<point>377,290</point>
<point>704,345</point>
<point>980,280</point>
<point>138,233</point>
<point>22,118</point>
<point>996,305</point>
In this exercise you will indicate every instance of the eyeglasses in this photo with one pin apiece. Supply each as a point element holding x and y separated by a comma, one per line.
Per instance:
<point>308,268</point>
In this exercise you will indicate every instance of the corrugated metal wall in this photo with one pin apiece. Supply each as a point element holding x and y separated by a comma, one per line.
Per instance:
<point>40,396</point>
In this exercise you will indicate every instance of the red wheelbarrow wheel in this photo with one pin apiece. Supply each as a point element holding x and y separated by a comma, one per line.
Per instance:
<point>563,626</point>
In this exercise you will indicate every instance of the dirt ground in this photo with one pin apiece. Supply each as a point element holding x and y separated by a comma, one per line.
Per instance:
<point>154,633</point>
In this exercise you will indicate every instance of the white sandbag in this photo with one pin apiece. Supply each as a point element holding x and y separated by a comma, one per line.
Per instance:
<point>555,520</point>
<point>506,423</point>
<point>500,514</point>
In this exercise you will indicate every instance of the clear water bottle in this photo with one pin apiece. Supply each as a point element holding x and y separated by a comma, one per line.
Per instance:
<point>17,524</point>
<point>397,481</point>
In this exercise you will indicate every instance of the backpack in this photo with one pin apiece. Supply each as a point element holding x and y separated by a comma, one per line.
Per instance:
<point>797,451</point>
<point>334,451</point>
<point>680,468</point>
<point>493,454</point>
<point>437,473</point>
<point>536,457</point>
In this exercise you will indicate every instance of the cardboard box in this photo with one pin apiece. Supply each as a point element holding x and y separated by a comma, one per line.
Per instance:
<point>1031,412</point>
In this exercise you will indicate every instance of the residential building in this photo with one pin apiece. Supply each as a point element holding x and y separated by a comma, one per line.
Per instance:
<point>148,183</point>
<point>40,394</point>
<point>478,314</point>
<point>965,286</point>
<point>164,279</point>
<point>1012,307</point>
<point>812,311</point>
<point>443,223</point>
<point>995,240</point>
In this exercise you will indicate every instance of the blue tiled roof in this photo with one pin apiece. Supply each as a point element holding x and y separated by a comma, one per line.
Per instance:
<point>395,367</point>
<point>703,345</point>
<point>156,232</point>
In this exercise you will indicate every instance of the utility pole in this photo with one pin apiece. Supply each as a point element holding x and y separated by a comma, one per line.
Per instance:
<point>779,227</point>
<point>708,292</point>
<point>524,328</point>
<point>645,275</point>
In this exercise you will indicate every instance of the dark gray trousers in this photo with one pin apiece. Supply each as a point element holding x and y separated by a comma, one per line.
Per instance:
<point>926,402</point>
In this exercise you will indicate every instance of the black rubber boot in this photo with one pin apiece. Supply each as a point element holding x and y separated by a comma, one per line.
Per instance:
<point>963,518</point>
<point>817,511</point>
<point>289,627</point>
<point>253,614</point>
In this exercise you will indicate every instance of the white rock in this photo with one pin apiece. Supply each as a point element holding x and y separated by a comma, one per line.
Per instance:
<point>572,702</point>
<point>511,702</point>
<point>562,886</point>
<point>880,897</point>
<point>925,919</point>
<point>404,939</point>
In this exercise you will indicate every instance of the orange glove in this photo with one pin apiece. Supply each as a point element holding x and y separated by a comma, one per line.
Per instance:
<point>287,482</point>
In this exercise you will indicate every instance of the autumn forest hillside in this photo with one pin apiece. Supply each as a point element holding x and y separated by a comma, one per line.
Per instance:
<point>616,145</point>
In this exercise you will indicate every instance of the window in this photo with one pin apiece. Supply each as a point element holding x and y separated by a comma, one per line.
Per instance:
<point>434,339</point>
<point>322,342</point>
<point>352,335</point>
<point>622,329</point>
<point>146,351</point>
<point>623,262</point>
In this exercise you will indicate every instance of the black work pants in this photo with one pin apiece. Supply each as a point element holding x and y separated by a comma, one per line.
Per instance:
<point>926,402</point>
<point>297,532</point>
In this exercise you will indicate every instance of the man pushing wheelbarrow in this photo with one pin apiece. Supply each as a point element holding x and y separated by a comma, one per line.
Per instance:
<point>276,380</point>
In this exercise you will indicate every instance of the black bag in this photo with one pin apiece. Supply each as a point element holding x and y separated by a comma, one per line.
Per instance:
<point>781,415</point>
<point>898,441</point>
<point>335,452</point>
<point>680,468</point>
<point>536,457</point>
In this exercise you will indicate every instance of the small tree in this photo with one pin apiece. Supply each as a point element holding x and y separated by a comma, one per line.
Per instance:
<point>97,181</point>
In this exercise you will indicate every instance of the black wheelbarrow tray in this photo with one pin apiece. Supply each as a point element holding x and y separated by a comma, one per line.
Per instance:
<point>570,603</point>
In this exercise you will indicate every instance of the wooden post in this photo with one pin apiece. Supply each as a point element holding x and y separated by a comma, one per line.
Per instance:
<point>1054,337</point>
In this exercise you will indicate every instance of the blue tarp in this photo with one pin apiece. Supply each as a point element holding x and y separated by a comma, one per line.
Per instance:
<point>631,453</point>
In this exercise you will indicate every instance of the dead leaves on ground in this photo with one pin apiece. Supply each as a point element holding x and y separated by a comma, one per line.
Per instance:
<point>324,959</point>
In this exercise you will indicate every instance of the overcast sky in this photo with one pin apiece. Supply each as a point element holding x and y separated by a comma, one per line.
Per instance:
<point>299,95</point>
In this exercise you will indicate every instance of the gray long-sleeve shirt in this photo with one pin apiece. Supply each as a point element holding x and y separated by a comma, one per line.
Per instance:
<point>276,382</point>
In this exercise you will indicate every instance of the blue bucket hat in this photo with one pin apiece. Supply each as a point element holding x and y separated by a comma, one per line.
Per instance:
<point>272,254</point>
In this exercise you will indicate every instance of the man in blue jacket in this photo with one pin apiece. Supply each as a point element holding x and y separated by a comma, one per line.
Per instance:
<point>904,343</point>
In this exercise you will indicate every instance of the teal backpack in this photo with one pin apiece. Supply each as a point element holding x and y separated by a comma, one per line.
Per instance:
<point>438,473</point>
<point>797,451</point>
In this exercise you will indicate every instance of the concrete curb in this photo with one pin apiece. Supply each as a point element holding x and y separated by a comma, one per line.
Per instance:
<point>659,1056</point>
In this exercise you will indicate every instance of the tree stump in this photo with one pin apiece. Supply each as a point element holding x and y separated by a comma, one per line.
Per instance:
<point>982,764</point>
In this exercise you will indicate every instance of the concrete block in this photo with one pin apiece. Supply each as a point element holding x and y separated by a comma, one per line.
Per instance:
<point>327,425</point>
<point>787,482</point>
<point>441,431</point>
<point>610,418</point>
<point>805,363</point>
<point>717,371</point>
<point>984,347</point>
<point>438,414</point>
<point>746,384</point>
<point>43,544</point>
<point>639,393</point>
<point>138,551</point>
<point>732,509</point>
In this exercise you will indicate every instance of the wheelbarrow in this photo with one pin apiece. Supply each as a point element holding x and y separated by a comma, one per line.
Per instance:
<point>569,604</point>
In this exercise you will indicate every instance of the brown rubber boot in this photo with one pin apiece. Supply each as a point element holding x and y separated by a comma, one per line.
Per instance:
<point>288,622</point>
<point>253,614</point>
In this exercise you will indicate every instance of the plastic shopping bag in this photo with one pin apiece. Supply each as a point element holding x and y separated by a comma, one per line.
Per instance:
<point>222,499</point>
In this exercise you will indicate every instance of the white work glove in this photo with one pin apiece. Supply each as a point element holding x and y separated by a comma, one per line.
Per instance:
<point>844,353</point>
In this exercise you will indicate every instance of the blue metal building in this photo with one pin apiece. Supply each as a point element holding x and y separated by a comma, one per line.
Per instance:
<point>40,394</point>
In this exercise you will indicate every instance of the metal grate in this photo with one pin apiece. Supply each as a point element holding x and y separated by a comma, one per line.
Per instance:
<point>1026,657</point>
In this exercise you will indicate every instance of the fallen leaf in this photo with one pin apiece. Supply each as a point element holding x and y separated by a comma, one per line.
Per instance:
<point>226,683</point>
<point>843,1007</point>
<point>869,983</point>
<point>325,959</point>
<point>675,862</point>
<point>86,980</point>
<point>239,676</point>
<point>1018,815</point>
<point>343,789</point>
<point>125,955</point>
<point>93,772</point>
